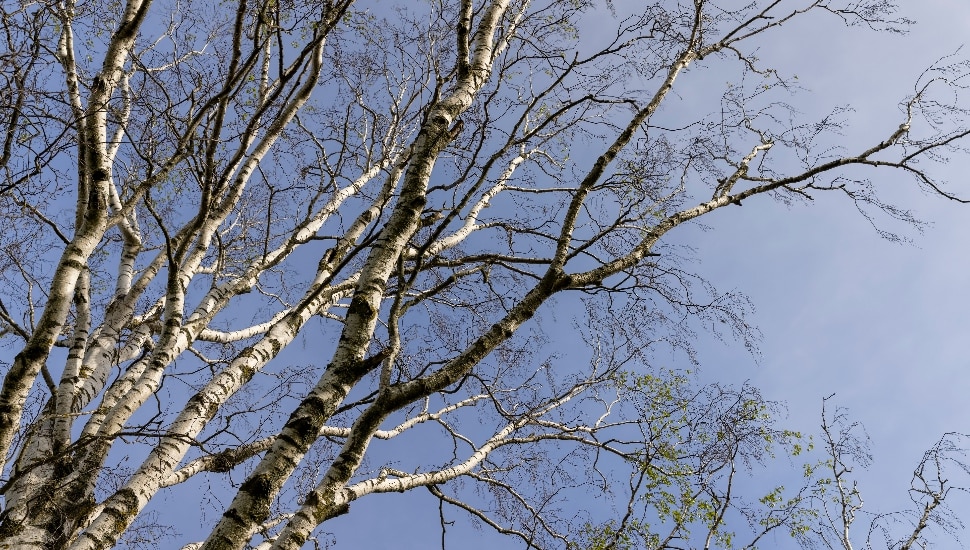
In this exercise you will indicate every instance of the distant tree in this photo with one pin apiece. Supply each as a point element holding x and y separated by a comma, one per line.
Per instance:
<point>191,190</point>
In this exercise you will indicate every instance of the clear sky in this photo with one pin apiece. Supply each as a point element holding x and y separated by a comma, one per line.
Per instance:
<point>882,325</point>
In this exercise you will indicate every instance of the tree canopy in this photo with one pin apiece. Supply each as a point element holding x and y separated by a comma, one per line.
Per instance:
<point>308,251</point>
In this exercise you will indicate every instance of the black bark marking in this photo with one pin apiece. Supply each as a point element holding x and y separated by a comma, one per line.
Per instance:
<point>361,307</point>
<point>100,175</point>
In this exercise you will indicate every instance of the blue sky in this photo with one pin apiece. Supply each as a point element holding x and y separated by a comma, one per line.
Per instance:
<point>882,325</point>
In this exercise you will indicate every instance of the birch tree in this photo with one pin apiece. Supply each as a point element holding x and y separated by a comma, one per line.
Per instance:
<point>192,190</point>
